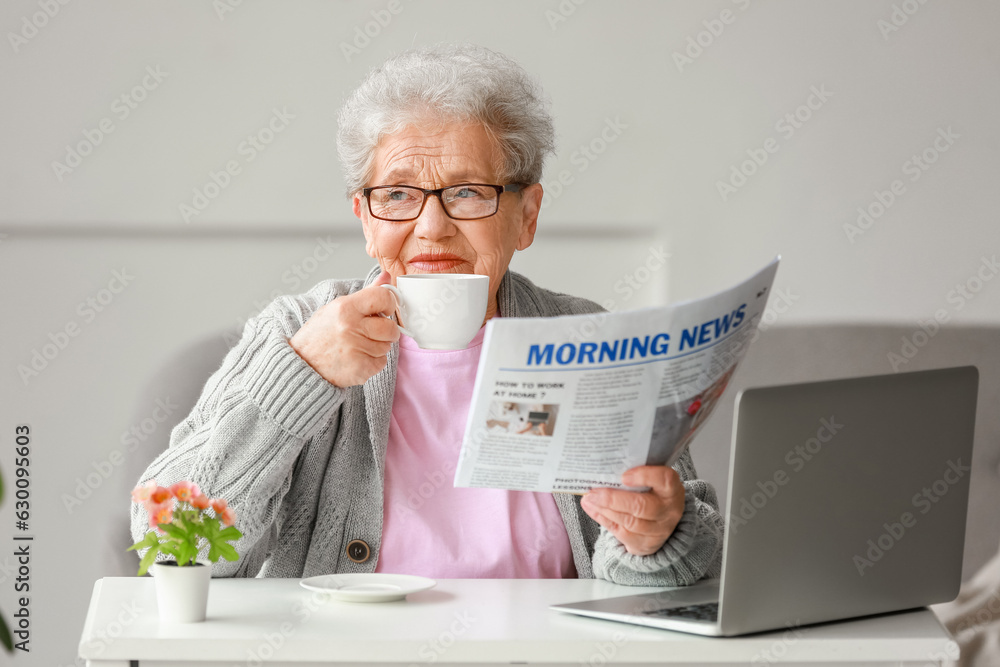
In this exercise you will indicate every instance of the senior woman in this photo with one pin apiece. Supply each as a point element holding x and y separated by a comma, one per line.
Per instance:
<point>335,438</point>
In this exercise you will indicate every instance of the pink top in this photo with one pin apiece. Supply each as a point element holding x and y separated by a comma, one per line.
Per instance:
<point>431,528</point>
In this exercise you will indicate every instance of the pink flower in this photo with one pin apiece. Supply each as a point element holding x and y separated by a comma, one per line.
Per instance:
<point>228,516</point>
<point>219,505</point>
<point>160,495</point>
<point>185,491</point>
<point>200,502</point>
<point>162,513</point>
<point>141,493</point>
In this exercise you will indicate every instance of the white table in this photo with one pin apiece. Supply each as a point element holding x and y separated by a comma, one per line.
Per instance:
<point>276,623</point>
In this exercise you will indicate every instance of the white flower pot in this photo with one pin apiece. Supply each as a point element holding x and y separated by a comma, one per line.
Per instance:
<point>181,591</point>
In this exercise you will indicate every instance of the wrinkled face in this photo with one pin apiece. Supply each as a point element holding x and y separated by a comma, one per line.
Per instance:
<point>435,243</point>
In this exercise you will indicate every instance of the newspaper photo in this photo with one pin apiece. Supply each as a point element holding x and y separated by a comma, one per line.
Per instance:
<point>566,404</point>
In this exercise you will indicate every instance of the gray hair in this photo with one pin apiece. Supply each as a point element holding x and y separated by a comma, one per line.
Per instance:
<point>448,83</point>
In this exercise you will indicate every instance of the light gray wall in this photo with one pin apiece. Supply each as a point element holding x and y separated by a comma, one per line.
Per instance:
<point>682,129</point>
<point>662,136</point>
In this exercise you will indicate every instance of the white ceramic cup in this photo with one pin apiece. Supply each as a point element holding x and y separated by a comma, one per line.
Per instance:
<point>441,311</point>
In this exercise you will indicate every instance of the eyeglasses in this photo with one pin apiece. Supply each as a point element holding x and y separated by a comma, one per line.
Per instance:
<point>466,201</point>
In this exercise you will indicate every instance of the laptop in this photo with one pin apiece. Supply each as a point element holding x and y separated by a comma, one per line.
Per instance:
<point>538,417</point>
<point>847,498</point>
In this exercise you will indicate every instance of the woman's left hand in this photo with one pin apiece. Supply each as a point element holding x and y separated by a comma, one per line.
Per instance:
<point>641,521</point>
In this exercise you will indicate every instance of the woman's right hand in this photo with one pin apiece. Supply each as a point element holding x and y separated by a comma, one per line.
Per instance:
<point>347,340</point>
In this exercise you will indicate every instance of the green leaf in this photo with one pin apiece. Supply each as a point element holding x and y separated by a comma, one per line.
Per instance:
<point>1,500</point>
<point>187,553</point>
<point>182,520</point>
<point>198,532</point>
<point>230,534</point>
<point>151,539</point>
<point>222,550</point>
<point>175,532</point>
<point>219,546</point>
<point>171,549</point>
<point>148,559</point>
<point>211,527</point>
<point>229,552</point>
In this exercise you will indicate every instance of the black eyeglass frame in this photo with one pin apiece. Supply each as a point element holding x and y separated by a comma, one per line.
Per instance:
<point>500,189</point>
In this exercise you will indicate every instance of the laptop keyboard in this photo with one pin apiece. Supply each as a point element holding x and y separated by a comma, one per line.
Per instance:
<point>698,612</point>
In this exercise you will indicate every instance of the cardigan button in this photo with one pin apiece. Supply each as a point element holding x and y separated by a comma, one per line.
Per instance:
<point>358,551</point>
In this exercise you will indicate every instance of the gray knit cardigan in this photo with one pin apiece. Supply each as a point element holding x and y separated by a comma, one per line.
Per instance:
<point>301,460</point>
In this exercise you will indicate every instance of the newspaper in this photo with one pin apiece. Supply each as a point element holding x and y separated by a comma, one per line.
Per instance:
<point>565,404</point>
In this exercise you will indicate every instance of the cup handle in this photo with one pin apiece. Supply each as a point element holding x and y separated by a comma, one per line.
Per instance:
<point>399,302</point>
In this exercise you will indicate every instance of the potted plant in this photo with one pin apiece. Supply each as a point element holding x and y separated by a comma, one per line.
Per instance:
<point>183,527</point>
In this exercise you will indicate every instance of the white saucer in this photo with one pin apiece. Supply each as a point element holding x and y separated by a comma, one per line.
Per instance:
<point>365,587</point>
